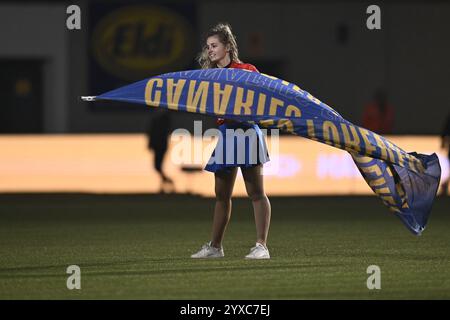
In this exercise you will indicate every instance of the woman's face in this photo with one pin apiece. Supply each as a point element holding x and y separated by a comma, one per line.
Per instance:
<point>216,49</point>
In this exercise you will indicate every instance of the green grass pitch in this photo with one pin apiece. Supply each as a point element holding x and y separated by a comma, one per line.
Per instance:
<point>138,247</point>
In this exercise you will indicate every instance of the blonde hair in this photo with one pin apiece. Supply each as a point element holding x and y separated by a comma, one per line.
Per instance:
<point>226,37</point>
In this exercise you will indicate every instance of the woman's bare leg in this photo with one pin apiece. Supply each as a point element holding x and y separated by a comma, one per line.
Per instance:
<point>222,212</point>
<point>254,184</point>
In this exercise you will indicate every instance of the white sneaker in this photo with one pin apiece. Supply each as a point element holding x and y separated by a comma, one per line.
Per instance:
<point>208,251</point>
<point>258,252</point>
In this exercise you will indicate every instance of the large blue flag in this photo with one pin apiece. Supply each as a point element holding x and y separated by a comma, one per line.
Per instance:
<point>406,182</point>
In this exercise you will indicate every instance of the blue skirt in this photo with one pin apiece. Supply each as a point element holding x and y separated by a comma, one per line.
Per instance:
<point>239,145</point>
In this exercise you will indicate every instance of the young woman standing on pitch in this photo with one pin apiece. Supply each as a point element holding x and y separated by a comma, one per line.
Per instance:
<point>220,51</point>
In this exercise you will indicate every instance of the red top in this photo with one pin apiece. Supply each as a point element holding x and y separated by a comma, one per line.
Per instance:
<point>237,65</point>
<point>246,66</point>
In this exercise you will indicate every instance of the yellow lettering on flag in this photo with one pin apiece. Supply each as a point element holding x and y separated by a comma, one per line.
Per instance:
<point>351,143</point>
<point>377,182</point>
<point>221,98</point>
<point>274,104</point>
<point>267,123</point>
<point>174,93</point>
<point>297,88</point>
<point>149,92</point>
<point>261,104</point>
<point>287,124</point>
<point>195,96</point>
<point>330,133</point>
<point>397,151</point>
<point>241,104</point>
<point>311,133</point>
<point>369,147</point>
<point>313,99</point>
<point>362,159</point>
<point>372,169</point>
<point>271,77</point>
<point>390,200</point>
<point>381,145</point>
<point>293,110</point>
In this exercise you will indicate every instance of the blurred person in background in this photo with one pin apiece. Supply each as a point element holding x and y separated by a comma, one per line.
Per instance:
<point>445,144</point>
<point>378,115</point>
<point>221,51</point>
<point>158,135</point>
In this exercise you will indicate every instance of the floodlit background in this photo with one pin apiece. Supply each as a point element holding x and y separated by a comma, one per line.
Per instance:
<point>325,48</point>
<point>78,187</point>
<point>121,163</point>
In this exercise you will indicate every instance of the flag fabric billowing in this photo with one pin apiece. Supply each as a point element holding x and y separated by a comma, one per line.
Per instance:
<point>406,182</point>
